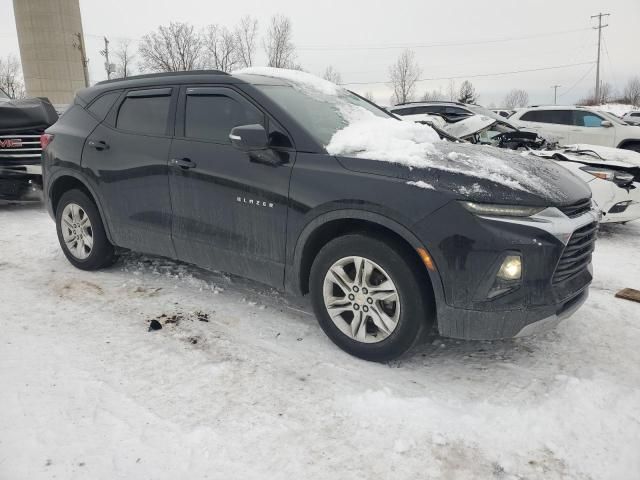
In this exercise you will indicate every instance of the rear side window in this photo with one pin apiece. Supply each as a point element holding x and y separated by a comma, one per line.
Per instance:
<point>586,119</point>
<point>635,114</point>
<point>404,111</point>
<point>144,114</point>
<point>560,117</point>
<point>211,117</point>
<point>101,105</point>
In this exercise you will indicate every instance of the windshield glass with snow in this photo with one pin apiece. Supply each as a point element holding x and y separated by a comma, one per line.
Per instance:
<point>321,116</point>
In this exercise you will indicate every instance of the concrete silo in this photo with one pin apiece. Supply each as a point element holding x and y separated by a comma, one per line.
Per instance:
<point>49,34</point>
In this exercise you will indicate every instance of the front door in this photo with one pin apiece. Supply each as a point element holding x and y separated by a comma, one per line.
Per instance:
<point>587,128</point>
<point>126,159</point>
<point>229,208</point>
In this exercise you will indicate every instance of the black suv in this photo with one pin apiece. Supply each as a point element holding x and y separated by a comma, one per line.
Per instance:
<point>232,173</point>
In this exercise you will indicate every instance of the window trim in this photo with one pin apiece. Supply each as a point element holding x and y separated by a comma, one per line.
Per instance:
<point>115,102</point>
<point>145,93</point>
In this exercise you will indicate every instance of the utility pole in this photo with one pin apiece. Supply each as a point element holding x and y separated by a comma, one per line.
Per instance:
<point>555,93</point>
<point>79,44</point>
<point>599,28</point>
<point>105,54</point>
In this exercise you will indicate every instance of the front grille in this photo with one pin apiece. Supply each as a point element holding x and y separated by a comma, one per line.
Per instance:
<point>577,254</point>
<point>17,149</point>
<point>576,209</point>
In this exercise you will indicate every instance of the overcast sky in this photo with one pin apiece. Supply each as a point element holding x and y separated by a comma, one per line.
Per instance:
<point>361,39</point>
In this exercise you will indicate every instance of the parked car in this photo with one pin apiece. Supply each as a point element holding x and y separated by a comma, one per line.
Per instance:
<point>21,124</point>
<point>632,118</point>
<point>569,125</point>
<point>504,113</point>
<point>416,111</point>
<point>234,173</point>
<point>612,174</point>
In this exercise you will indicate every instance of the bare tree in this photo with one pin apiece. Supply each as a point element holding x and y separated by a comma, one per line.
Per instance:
<point>632,91</point>
<point>433,95</point>
<point>404,75</point>
<point>246,33</point>
<point>453,93</point>
<point>11,77</point>
<point>221,48</point>
<point>172,48</point>
<point>369,96</point>
<point>124,59</point>
<point>278,44</point>
<point>332,75</point>
<point>467,93</point>
<point>516,98</point>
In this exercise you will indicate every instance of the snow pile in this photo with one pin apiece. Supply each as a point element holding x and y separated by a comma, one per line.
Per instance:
<point>386,139</point>
<point>421,184</point>
<point>303,80</point>
<point>618,109</point>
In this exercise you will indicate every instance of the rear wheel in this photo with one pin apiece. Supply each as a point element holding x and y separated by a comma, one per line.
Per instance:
<point>369,297</point>
<point>81,233</point>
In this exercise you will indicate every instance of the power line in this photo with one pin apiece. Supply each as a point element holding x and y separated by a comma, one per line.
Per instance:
<point>579,81</point>
<point>436,45</point>
<point>555,67</point>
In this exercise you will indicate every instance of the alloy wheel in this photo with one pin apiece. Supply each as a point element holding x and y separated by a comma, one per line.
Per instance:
<point>77,232</point>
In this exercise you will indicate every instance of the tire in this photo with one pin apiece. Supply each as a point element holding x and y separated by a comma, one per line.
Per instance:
<point>412,308</point>
<point>77,217</point>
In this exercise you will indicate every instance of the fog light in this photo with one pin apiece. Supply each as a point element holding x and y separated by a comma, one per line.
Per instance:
<point>511,268</point>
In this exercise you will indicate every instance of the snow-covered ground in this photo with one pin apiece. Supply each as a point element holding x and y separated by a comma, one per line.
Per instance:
<point>618,109</point>
<point>258,391</point>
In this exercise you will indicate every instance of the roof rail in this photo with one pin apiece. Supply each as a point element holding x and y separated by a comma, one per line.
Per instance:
<point>164,74</point>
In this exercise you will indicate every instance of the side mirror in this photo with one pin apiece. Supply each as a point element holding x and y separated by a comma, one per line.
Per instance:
<point>606,124</point>
<point>249,138</point>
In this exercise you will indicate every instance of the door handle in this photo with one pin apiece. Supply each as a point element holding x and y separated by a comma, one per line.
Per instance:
<point>183,163</point>
<point>98,145</point>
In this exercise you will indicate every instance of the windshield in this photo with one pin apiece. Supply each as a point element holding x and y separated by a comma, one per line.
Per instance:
<point>320,115</point>
<point>611,117</point>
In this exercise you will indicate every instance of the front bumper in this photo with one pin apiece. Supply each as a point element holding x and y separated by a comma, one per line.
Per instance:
<point>609,195</point>
<point>467,251</point>
<point>21,183</point>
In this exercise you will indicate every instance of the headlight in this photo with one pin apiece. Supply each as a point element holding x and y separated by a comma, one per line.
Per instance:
<point>621,178</point>
<point>501,210</point>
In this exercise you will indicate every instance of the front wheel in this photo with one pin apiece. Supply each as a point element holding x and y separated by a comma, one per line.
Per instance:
<point>369,297</point>
<point>81,233</point>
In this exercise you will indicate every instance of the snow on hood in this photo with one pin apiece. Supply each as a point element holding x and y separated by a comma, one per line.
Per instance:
<point>418,146</point>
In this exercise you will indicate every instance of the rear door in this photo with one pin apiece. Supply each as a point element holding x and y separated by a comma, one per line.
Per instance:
<point>229,209</point>
<point>551,124</point>
<point>587,128</point>
<point>126,159</point>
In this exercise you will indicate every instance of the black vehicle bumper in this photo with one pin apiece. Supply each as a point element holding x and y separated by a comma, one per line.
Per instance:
<point>467,251</point>
<point>21,184</point>
<point>490,325</point>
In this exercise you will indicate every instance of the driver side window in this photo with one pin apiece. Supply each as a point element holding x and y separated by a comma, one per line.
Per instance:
<point>213,116</point>
<point>587,119</point>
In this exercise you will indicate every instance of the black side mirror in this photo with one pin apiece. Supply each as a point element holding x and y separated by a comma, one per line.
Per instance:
<point>249,138</point>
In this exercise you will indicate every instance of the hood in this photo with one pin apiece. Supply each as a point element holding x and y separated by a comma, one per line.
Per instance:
<point>468,126</point>
<point>483,174</point>
<point>30,113</point>
<point>596,154</point>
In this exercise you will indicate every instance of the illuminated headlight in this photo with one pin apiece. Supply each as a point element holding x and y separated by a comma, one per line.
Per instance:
<point>511,268</point>
<point>491,209</point>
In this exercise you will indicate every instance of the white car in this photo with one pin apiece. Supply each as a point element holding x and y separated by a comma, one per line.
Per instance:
<point>571,125</point>
<point>632,118</point>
